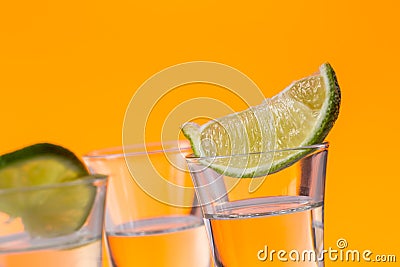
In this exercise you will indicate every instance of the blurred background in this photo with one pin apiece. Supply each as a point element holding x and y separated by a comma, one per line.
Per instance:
<point>68,70</point>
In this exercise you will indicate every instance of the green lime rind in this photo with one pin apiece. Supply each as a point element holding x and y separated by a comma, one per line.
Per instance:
<point>37,184</point>
<point>192,132</point>
<point>43,149</point>
<point>332,105</point>
<point>283,157</point>
<point>39,164</point>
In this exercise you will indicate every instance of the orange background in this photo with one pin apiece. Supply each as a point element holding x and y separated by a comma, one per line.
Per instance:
<point>69,69</point>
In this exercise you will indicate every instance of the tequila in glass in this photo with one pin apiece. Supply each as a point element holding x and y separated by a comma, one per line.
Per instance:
<point>44,237</point>
<point>152,217</point>
<point>278,224</point>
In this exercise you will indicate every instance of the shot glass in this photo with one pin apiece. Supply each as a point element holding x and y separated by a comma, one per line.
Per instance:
<point>152,216</point>
<point>280,223</point>
<point>51,225</point>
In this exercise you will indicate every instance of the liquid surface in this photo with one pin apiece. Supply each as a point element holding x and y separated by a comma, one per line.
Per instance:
<point>168,241</point>
<point>245,232</point>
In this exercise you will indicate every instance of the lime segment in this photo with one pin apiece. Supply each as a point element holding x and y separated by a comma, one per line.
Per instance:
<point>300,115</point>
<point>40,184</point>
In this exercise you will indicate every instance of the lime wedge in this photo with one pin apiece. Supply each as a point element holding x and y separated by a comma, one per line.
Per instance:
<point>30,189</point>
<point>300,115</point>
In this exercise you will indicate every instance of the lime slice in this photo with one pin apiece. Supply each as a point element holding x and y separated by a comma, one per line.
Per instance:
<point>30,189</point>
<point>300,115</point>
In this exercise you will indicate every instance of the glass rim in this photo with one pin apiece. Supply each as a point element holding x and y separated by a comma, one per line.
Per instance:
<point>321,146</point>
<point>87,179</point>
<point>138,149</point>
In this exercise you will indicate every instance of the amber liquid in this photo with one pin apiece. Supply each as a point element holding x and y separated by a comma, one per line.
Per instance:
<point>78,255</point>
<point>172,242</point>
<point>246,232</point>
